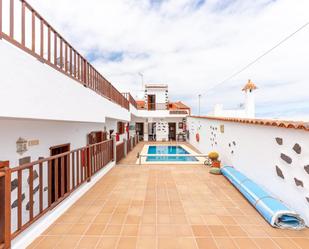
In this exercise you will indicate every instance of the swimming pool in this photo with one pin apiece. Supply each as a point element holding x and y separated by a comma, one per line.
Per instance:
<point>170,150</point>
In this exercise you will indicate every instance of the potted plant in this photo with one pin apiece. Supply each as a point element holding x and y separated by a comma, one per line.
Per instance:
<point>213,156</point>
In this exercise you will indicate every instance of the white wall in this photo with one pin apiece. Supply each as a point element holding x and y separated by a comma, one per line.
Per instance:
<point>49,133</point>
<point>253,150</point>
<point>160,135</point>
<point>160,94</point>
<point>31,89</point>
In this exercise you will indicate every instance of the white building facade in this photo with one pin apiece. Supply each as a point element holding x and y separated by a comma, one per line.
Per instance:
<point>155,118</point>
<point>248,111</point>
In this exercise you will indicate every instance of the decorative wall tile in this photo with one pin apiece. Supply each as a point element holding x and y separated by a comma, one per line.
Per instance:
<point>306,168</point>
<point>298,182</point>
<point>45,189</point>
<point>28,205</point>
<point>36,189</point>
<point>279,172</point>
<point>297,148</point>
<point>14,184</point>
<point>286,158</point>
<point>35,176</point>
<point>24,160</point>
<point>279,140</point>
<point>15,203</point>
<point>307,198</point>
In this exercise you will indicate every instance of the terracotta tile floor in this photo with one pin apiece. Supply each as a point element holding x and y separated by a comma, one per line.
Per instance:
<point>165,207</point>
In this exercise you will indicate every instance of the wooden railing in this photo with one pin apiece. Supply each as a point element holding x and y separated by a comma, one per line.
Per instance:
<point>180,112</point>
<point>5,205</point>
<point>47,182</point>
<point>131,100</point>
<point>119,152</point>
<point>56,177</point>
<point>157,106</point>
<point>28,30</point>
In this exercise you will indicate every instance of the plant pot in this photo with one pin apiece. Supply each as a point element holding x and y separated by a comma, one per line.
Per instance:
<point>216,164</point>
<point>213,156</point>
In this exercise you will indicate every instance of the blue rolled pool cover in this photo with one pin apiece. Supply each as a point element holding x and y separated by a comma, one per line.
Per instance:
<point>274,211</point>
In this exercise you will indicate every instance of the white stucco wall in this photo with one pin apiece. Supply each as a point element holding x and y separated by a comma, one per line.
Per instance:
<point>31,89</point>
<point>160,94</point>
<point>163,133</point>
<point>253,150</point>
<point>49,133</point>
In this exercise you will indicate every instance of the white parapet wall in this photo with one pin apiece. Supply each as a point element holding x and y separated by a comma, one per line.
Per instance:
<point>32,89</point>
<point>276,158</point>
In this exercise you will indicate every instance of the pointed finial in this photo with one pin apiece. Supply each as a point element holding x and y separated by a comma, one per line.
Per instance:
<point>249,86</point>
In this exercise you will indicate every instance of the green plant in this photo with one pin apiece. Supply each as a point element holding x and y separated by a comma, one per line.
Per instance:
<point>213,155</point>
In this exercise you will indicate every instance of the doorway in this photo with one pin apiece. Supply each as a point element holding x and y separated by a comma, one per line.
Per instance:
<point>151,131</point>
<point>139,128</point>
<point>59,172</point>
<point>172,131</point>
<point>97,137</point>
<point>151,102</point>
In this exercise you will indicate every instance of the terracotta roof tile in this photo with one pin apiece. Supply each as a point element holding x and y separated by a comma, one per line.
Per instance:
<point>178,105</point>
<point>140,104</point>
<point>301,125</point>
<point>249,86</point>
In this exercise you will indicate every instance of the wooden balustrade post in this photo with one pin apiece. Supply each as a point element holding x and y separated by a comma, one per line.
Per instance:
<point>89,164</point>
<point>5,205</point>
<point>125,149</point>
<point>114,148</point>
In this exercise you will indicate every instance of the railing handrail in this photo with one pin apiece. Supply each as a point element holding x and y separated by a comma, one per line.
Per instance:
<point>27,165</point>
<point>85,73</point>
<point>157,106</point>
<point>130,98</point>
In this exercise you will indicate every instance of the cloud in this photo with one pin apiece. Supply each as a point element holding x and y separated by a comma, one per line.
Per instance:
<point>193,45</point>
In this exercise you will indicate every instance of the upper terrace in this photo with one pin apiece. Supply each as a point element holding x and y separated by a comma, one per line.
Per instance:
<point>54,73</point>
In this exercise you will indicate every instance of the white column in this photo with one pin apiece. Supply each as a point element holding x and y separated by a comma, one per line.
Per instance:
<point>250,104</point>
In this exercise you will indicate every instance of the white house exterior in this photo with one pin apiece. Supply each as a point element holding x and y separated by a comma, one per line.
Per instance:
<point>249,106</point>
<point>155,118</point>
<point>63,126</point>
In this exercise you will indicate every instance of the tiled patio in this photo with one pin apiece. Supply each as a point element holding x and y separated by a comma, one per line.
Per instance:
<point>165,207</point>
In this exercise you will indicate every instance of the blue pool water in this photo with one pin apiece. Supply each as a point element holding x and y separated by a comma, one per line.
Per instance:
<point>171,150</point>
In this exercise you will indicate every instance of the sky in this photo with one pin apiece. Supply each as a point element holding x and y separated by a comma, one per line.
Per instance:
<point>193,45</point>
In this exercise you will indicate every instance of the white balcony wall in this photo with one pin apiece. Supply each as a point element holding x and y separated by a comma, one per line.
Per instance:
<point>254,150</point>
<point>32,89</point>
